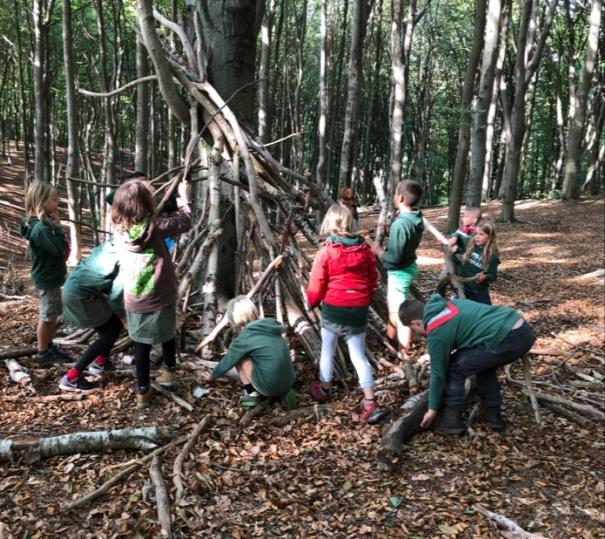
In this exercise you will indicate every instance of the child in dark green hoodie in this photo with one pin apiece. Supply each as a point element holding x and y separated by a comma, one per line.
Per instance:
<point>399,258</point>
<point>465,338</point>
<point>260,354</point>
<point>48,250</point>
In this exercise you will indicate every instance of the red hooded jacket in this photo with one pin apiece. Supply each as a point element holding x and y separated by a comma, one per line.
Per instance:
<point>344,274</point>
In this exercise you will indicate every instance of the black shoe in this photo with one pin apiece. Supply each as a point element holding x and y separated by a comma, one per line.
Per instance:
<point>494,416</point>
<point>77,385</point>
<point>63,356</point>
<point>47,358</point>
<point>449,421</point>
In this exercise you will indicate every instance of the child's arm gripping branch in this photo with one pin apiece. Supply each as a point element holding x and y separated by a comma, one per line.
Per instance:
<point>318,280</point>
<point>181,222</point>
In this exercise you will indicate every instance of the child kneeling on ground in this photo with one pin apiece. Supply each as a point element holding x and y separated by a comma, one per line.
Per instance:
<point>482,338</point>
<point>260,355</point>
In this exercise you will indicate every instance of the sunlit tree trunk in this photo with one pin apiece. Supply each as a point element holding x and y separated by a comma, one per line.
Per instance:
<point>322,160</point>
<point>141,153</point>
<point>575,135</point>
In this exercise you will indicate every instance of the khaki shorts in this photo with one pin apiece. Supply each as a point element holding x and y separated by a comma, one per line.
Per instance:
<point>398,286</point>
<point>51,306</point>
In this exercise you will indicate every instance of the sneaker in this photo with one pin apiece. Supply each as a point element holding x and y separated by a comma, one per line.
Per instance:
<point>63,356</point>
<point>289,400</point>
<point>144,399</point>
<point>47,358</point>
<point>77,385</point>
<point>167,379</point>
<point>250,400</point>
<point>95,368</point>
<point>494,416</point>
<point>370,412</point>
<point>449,421</point>
<point>318,392</point>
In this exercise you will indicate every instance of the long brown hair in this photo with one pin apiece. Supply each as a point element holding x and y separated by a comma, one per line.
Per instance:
<point>489,249</point>
<point>36,197</point>
<point>132,203</point>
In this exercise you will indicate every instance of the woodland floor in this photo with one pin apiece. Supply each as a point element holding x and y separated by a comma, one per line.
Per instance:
<point>320,478</point>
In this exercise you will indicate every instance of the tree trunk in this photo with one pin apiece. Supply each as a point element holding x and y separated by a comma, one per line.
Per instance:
<point>575,135</point>
<point>264,103</point>
<point>486,86</point>
<point>400,53</point>
<point>72,168</point>
<point>355,80</point>
<point>524,70</point>
<point>322,160</point>
<point>141,153</point>
<point>41,91</point>
<point>460,166</point>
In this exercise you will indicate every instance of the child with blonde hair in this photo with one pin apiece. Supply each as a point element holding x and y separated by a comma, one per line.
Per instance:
<point>343,280</point>
<point>470,218</point>
<point>150,285</point>
<point>260,354</point>
<point>48,250</point>
<point>480,262</point>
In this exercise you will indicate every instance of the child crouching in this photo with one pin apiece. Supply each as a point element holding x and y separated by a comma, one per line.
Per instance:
<point>260,355</point>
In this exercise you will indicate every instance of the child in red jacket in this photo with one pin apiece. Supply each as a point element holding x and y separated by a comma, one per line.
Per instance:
<point>343,280</point>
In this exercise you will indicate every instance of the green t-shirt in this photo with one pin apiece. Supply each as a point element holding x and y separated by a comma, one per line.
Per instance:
<point>404,238</point>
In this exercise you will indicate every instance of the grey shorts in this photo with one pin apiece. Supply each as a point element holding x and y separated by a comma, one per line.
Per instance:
<point>51,306</point>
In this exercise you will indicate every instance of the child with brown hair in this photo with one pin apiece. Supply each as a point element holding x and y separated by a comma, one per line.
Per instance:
<point>150,285</point>
<point>344,279</point>
<point>480,262</point>
<point>48,250</point>
<point>470,218</point>
<point>399,258</point>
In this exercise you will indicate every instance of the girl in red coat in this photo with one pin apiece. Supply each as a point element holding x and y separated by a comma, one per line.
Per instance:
<point>343,280</point>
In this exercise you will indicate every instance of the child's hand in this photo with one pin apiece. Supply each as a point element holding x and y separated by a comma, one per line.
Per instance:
<point>452,241</point>
<point>185,191</point>
<point>454,249</point>
<point>481,277</point>
<point>376,248</point>
<point>428,419</point>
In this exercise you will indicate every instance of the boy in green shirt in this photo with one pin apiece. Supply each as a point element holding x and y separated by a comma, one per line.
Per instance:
<point>465,338</point>
<point>399,258</point>
<point>260,354</point>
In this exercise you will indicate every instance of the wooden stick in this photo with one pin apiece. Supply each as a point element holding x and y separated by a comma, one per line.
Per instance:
<point>118,477</point>
<point>14,353</point>
<point>530,390</point>
<point>117,91</point>
<point>253,412</point>
<point>567,414</point>
<point>182,403</point>
<point>504,522</point>
<point>292,415</point>
<point>177,468</point>
<point>161,495</point>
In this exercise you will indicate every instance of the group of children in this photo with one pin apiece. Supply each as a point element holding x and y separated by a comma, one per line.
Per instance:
<point>129,281</point>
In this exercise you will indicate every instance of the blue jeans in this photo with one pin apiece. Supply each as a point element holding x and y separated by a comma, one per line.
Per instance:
<point>480,296</point>
<point>483,362</point>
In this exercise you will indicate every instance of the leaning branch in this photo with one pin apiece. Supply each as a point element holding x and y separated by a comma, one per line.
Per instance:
<point>120,90</point>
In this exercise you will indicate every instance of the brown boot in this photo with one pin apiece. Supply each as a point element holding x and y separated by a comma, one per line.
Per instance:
<point>167,379</point>
<point>144,399</point>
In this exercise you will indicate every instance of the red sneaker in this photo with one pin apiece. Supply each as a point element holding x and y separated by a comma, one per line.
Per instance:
<point>318,392</point>
<point>370,412</point>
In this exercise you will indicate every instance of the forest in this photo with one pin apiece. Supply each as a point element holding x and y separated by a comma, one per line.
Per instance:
<point>264,118</point>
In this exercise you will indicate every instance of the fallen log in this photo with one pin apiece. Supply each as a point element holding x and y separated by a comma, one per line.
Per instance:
<point>506,523</point>
<point>306,412</point>
<point>15,353</point>
<point>17,372</point>
<point>84,442</point>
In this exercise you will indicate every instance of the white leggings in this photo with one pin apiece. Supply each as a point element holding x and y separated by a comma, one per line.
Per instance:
<point>356,344</point>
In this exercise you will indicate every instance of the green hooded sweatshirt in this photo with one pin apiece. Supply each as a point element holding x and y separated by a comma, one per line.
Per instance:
<point>92,278</point>
<point>474,265</point>
<point>47,249</point>
<point>261,341</point>
<point>460,324</point>
<point>404,238</point>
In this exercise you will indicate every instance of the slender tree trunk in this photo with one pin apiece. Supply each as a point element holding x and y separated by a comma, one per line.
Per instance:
<point>460,165</point>
<point>355,80</point>
<point>400,53</point>
<point>264,103</point>
<point>141,154</point>
<point>486,87</point>
<point>322,161</point>
<point>41,91</point>
<point>574,137</point>
<point>72,166</point>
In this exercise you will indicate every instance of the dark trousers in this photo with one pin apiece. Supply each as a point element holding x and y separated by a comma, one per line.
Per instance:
<point>107,335</point>
<point>483,362</point>
<point>480,296</point>
<point>142,361</point>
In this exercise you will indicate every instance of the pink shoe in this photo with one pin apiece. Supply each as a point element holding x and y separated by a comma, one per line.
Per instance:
<point>318,392</point>
<point>370,412</point>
